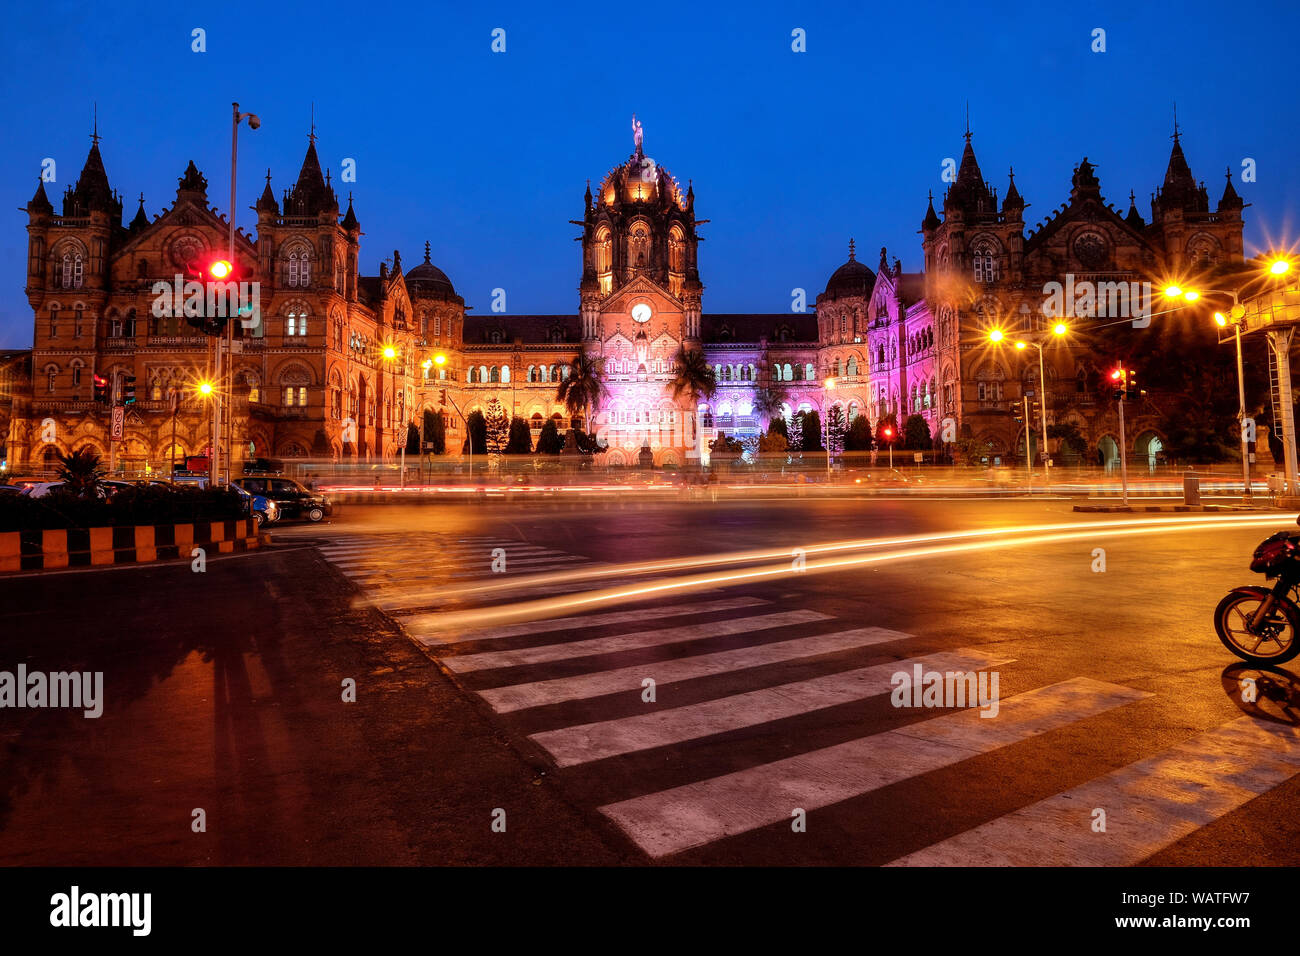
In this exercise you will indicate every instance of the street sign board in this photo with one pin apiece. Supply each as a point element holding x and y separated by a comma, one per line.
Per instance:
<point>119,423</point>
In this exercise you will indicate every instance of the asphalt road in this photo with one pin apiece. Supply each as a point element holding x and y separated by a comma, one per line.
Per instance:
<point>771,736</point>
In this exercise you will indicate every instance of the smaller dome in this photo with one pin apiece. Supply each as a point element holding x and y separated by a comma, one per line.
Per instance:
<point>852,278</point>
<point>429,279</point>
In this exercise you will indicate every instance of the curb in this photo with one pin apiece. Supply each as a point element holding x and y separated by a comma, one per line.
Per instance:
<point>84,547</point>
<point>1162,508</point>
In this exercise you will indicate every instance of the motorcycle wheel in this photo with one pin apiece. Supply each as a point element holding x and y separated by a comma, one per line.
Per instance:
<point>1279,638</point>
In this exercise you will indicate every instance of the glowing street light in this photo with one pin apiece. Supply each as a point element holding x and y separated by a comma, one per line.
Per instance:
<point>390,352</point>
<point>995,335</point>
<point>1279,267</point>
<point>1172,292</point>
<point>440,359</point>
<point>205,388</point>
<point>1060,328</point>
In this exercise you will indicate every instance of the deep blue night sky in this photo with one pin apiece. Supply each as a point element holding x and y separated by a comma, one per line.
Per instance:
<point>486,155</point>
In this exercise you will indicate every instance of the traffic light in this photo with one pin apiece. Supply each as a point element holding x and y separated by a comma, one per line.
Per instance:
<point>1132,392</point>
<point>128,390</point>
<point>100,386</point>
<point>1035,410</point>
<point>1117,377</point>
<point>1018,415</point>
<point>224,305</point>
<point>442,396</point>
<point>888,433</point>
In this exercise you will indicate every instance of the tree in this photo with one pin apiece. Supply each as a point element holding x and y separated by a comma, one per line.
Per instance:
<point>778,426</point>
<point>811,429</point>
<point>497,427</point>
<point>835,429</point>
<point>1073,443</point>
<point>794,433</point>
<point>476,426</point>
<point>80,472</point>
<point>723,448</point>
<point>772,442</point>
<point>693,379</point>
<point>521,438</point>
<point>548,441</point>
<point>412,439</point>
<point>768,402</point>
<point>435,431</point>
<point>584,389</point>
<point>859,436</point>
<point>916,434</point>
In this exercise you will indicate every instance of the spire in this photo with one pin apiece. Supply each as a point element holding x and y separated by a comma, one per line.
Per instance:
<point>970,191</point>
<point>141,220</point>
<point>1134,218</point>
<point>350,220</point>
<point>93,191</point>
<point>884,260</point>
<point>426,253</point>
<point>267,202</point>
<point>1180,190</point>
<point>851,250</point>
<point>40,203</point>
<point>310,194</point>
<point>1230,199</point>
<point>1013,200</point>
<point>931,221</point>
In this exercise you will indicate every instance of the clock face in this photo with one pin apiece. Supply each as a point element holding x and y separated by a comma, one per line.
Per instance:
<point>641,312</point>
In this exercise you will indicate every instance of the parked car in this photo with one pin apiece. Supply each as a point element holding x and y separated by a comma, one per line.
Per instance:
<point>265,510</point>
<point>294,500</point>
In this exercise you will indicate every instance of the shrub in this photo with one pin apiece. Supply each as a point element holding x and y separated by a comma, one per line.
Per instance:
<point>142,505</point>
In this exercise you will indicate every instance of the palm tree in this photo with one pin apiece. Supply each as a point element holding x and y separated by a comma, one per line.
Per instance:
<point>694,378</point>
<point>768,402</point>
<point>584,388</point>
<point>80,472</point>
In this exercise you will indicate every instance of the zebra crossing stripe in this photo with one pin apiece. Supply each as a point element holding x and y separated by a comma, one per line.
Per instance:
<point>424,627</point>
<point>1149,805</point>
<point>580,687</point>
<point>399,567</point>
<point>567,650</point>
<point>412,600</point>
<point>698,813</point>
<point>596,741</point>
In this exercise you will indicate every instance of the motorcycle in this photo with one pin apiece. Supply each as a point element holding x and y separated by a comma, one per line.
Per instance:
<point>1262,624</point>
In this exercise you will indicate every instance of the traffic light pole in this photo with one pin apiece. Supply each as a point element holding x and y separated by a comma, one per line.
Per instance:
<point>1029,456</point>
<point>1042,407</point>
<point>1123,446</point>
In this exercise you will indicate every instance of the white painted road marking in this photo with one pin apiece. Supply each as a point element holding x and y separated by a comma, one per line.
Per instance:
<point>688,816</point>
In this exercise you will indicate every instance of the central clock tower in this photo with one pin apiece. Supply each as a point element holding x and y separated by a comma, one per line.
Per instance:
<point>640,298</point>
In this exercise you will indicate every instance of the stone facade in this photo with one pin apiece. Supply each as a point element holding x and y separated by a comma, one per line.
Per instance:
<point>336,367</point>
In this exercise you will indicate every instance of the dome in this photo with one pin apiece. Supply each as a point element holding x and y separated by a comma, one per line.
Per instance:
<point>640,178</point>
<point>852,278</point>
<point>429,279</point>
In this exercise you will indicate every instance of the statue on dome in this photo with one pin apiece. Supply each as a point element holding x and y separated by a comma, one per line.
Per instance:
<point>637,134</point>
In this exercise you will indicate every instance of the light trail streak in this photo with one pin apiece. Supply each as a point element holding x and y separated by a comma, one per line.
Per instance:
<point>934,545</point>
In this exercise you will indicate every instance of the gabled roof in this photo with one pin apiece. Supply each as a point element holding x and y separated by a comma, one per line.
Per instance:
<point>726,327</point>
<point>529,329</point>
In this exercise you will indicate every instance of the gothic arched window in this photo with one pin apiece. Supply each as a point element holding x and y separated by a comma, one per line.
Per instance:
<point>72,270</point>
<point>984,255</point>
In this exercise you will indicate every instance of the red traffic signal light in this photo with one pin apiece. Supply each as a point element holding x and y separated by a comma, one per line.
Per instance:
<point>100,388</point>
<point>889,432</point>
<point>1117,374</point>
<point>220,269</point>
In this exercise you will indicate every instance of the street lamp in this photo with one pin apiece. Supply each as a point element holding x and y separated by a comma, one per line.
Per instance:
<point>1058,330</point>
<point>1278,267</point>
<point>889,440</point>
<point>830,385</point>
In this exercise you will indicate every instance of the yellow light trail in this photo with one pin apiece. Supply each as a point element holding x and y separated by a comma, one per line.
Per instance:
<point>945,543</point>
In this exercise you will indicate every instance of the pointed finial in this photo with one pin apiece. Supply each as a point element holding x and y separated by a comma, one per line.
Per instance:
<point>312,135</point>
<point>1175,122</point>
<point>1011,174</point>
<point>268,175</point>
<point>141,199</point>
<point>426,252</point>
<point>968,121</point>
<point>94,134</point>
<point>1132,197</point>
<point>327,177</point>
<point>851,248</point>
<point>1227,172</point>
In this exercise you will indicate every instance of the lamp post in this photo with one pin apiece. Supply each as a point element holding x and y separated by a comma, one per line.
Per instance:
<point>1058,330</point>
<point>1277,268</point>
<point>225,344</point>
<point>830,385</point>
